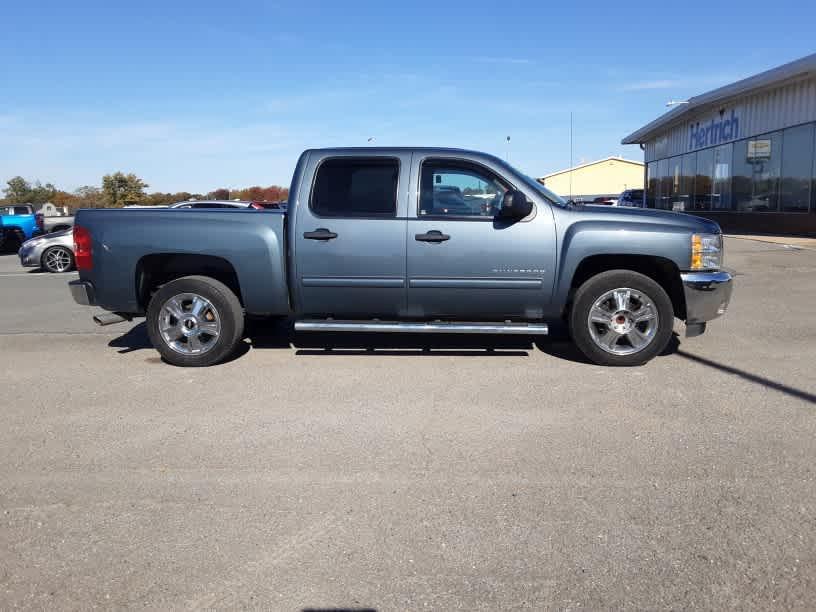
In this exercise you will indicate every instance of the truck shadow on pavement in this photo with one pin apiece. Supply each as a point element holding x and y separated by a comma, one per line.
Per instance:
<point>280,335</point>
<point>263,335</point>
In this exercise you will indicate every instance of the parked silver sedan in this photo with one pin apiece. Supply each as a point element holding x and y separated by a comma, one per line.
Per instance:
<point>52,252</point>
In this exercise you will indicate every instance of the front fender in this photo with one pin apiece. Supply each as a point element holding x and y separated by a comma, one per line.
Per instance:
<point>591,238</point>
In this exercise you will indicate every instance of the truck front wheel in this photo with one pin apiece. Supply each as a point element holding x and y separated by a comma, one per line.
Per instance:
<point>621,318</point>
<point>195,321</point>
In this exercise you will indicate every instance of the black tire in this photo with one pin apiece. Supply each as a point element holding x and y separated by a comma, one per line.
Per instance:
<point>230,313</point>
<point>49,268</point>
<point>11,240</point>
<point>593,289</point>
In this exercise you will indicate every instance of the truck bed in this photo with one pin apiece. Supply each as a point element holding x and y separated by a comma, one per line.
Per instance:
<point>131,246</point>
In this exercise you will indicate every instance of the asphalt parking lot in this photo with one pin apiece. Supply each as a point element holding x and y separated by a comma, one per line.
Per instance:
<point>398,478</point>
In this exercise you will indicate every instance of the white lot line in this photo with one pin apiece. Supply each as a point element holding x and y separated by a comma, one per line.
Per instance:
<point>788,242</point>
<point>41,275</point>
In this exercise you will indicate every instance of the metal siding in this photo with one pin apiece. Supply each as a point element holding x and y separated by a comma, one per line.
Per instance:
<point>768,111</point>
<point>649,151</point>
<point>794,71</point>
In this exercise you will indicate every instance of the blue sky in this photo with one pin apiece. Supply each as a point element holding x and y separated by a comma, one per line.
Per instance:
<point>198,95</point>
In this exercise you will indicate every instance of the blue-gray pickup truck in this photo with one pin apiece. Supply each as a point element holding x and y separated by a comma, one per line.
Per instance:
<point>422,240</point>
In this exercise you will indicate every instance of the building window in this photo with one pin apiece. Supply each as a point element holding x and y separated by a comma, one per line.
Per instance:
<point>774,172</point>
<point>703,181</point>
<point>721,188</point>
<point>797,168</point>
<point>757,166</point>
<point>813,174</point>
<point>651,184</point>
<point>675,169</point>
<point>687,180</point>
<point>663,184</point>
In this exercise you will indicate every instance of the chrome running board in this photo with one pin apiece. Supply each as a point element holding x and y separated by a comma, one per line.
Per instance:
<point>435,327</point>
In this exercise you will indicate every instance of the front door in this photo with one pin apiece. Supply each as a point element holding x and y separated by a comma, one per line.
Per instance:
<point>466,263</point>
<point>350,239</point>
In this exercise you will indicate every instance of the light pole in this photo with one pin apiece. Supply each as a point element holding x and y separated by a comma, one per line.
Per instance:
<point>570,165</point>
<point>507,153</point>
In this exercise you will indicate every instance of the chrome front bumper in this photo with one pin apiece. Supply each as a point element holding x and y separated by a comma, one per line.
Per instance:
<point>707,296</point>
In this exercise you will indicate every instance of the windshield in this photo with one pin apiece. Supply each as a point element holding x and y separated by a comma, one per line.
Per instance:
<point>534,184</point>
<point>553,197</point>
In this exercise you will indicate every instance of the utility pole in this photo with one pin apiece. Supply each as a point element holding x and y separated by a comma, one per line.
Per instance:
<point>570,170</point>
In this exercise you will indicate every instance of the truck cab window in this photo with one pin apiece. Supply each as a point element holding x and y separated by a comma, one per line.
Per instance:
<point>15,210</point>
<point>453,190</point>
<point>356,187</point>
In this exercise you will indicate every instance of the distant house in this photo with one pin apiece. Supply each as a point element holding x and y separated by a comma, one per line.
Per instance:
<point>605,177</point>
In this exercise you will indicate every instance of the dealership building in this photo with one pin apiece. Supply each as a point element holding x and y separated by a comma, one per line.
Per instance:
<point>743,155</point>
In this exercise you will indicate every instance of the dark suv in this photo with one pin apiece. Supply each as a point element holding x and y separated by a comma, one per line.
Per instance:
<point>631,197</point>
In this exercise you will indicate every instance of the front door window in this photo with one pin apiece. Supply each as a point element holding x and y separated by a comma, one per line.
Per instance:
<point>453,190</point>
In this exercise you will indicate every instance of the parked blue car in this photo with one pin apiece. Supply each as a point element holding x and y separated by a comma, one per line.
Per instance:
<point>18,223</point>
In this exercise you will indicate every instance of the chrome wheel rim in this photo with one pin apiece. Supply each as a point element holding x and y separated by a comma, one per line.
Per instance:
<point>189,324</point>
<point>58,259</point>
<point>623,321</point>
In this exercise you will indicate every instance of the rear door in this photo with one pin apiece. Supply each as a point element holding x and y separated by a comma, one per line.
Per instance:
<point>350,236</point>
<point>463,261</point>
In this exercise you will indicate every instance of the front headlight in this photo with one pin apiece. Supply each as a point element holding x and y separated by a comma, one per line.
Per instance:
<point>706,251</point>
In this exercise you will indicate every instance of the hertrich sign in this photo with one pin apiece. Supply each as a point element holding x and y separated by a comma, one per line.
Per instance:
<point>716,131</point>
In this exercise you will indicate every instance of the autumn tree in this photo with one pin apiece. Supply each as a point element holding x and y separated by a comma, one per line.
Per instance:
<point>63,198</point>
<point>20,191</point>
<point>88,196</point>
<point>17,190</point>
<point>121,189</point>
<point>219,194</point>
<point>273,193</point>
<point>40,194</point>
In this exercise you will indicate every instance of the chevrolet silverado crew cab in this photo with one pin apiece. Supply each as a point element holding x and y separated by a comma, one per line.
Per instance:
<point>405,240</point>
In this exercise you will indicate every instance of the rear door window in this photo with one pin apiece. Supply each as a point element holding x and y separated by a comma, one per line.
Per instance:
<point>356,187</point>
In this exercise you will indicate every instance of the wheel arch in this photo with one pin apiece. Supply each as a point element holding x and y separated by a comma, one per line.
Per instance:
<point>662,270</point>
<point>155,270</point>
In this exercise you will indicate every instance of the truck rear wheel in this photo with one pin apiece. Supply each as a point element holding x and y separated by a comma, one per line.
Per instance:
<point>621,318</point>
<point>195,321</point>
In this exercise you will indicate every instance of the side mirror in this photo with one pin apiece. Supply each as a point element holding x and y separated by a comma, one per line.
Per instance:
<point>515,205</point>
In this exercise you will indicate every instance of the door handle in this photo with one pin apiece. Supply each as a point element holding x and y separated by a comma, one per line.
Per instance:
<point>432,236</point>
<point>320,233</point>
